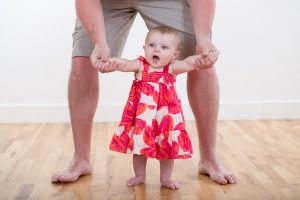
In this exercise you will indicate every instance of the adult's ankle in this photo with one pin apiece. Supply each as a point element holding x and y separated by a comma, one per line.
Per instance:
<point>208,159</point>
<point>84,159</point>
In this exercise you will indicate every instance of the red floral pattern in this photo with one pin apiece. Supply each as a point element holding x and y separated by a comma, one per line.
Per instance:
<point>152,122</point>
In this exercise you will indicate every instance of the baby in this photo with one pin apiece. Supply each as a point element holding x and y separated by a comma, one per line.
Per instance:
<point>152,124</point>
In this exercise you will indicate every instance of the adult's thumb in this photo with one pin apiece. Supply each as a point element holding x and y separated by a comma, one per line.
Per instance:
<point>205,52</point>
<point>105,56</point>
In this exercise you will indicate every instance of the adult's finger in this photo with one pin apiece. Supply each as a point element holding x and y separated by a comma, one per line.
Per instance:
<point>94,60</point>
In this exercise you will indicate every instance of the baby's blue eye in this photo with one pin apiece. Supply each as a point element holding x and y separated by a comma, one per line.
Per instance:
<point>151,45</point>
<point>164,47</point>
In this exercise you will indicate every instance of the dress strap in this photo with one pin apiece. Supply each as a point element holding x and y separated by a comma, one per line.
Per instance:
<point>166,68</point>
<point>145,66</point>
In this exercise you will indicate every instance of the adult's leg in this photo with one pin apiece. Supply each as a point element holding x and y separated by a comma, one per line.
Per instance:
<point>166,171</point>
<point>84,83</point>
<point>83,92</point>
<point>203,89</point>
<point>139,166</point>
<point>203,93</point>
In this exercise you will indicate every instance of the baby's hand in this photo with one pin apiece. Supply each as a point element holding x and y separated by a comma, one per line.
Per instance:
<point>100,65</point>
<point>205,62</point>
<point>200,62</point>
<point>209,53</point>
<point>108,66</point>
<point>211,58</point>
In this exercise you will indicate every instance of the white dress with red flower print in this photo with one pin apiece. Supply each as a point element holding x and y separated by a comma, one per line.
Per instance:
<point>152,123</point>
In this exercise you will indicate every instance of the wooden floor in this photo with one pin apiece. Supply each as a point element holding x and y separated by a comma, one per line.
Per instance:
<point>265,156</point>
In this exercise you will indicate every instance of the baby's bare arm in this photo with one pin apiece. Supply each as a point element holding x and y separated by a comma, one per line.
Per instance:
<point>189,64</point>
<point>125,65</point>
<point>120,64</point>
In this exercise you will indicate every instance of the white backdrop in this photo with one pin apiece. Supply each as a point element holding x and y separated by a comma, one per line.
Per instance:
<point>259,66</point>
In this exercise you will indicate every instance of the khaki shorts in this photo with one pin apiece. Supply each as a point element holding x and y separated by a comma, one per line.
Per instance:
<point>120,14</point>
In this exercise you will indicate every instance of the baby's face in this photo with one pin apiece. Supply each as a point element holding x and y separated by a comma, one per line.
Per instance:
<point>160,49</point>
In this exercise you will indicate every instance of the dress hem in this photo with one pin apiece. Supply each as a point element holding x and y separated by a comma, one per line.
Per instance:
<point>184,156</point>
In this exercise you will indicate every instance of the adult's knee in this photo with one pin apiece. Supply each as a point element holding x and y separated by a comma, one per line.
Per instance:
<point>81,67</point>
<point>203,74</point>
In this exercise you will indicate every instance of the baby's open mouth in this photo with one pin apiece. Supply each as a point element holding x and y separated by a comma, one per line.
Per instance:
<point>155,59</point>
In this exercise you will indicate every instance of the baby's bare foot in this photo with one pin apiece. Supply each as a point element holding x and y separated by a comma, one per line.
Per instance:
<point>169,183</point>
<point>76,168</point>
<point>136,180</point>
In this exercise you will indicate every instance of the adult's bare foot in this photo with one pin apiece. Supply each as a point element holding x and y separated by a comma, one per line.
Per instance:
<point>77,168</point>
<point>216,172</point>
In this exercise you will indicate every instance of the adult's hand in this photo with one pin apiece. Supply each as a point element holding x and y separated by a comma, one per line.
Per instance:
<point>100,55</point>
<point>109,66</point>
<point>209,53</point>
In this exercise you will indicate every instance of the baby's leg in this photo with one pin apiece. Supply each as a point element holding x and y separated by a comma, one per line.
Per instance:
<point>166,170</point>
<point>139,166</point>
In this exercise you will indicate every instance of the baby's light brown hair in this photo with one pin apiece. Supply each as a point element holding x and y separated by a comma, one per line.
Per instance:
<point>165,30</point>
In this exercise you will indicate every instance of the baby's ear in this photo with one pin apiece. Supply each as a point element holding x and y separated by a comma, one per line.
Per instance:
<point>176,54</point>
<point>144,47</point>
